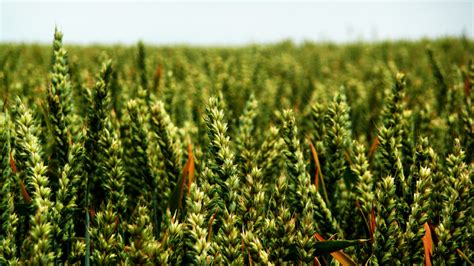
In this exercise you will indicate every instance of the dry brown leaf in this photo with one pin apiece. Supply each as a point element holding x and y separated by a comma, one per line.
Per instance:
<point>24,192</point>
<point>340,256</point>
<point>190,166</point>
<point>428,244</point>
<point>373,223</point>
<point>316,162</point>
<point>188,175</point>
<point>12,164</point>
<point>316,262</point>
<point>373,147</point>
<point>319,174</point>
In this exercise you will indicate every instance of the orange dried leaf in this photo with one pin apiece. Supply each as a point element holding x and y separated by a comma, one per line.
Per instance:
<point>467,86</point>
<point>186,178</point>
<point>319,237</point>
<point>316,262</point>
<point>340,256</point>
<point>116,222</point>
<point>372,222</point>
<point>373,147</point>
<point>157,77</point>
<point>318,170</point>
<point>92,212</point>
<point>190,166</point>
<point>188,174</point>
<point>24,192</point>
<point>12,164</point>
<point>428,244</point>
<point>158,72</point>
<point>316,162</point>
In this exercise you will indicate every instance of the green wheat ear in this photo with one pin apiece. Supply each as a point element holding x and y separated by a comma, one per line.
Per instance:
<point>245,138</point>
<point>142,67</point>
<point>113,176</point>
<point>255,248</point>
<point>141,247</point>
<point>197,241</point>
<point>59,107</point>
<point>165,134</point>
<point>63,166</point>
<point>336,141</point>
<point>364,192</point>
<point>104,233</point>
<point>269,156</point>
<point>96,122</point>
<point>219,143</point>
<point>140,173</point>
<point>9,219</point>
<point>297,175</point>
<point>304,200</point>
<point>391,134</point>
<point>385,248</point>
<point>442,87</point>
<point>419,187</point>
<point>223,205</point>
<point>452,230</point>
<point>37,244</point>
<point>172,239</point>
<point>221,164</point>
<point>66,202</point>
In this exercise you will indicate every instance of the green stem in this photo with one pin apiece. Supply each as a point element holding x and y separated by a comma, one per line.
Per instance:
<point>88,242</point>
<point>87,236</point>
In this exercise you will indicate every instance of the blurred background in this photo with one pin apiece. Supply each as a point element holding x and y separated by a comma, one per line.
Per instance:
<point>232,23</point>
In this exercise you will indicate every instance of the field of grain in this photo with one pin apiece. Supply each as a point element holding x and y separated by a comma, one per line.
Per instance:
<point>264,154</point>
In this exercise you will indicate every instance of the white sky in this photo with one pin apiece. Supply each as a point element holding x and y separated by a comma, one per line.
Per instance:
<point>229,22</point>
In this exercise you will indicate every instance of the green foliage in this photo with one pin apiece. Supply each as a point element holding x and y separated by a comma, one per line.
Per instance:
<point>94,168</point>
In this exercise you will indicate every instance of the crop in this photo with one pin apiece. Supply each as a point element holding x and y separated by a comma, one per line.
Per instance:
<point>264,154</point>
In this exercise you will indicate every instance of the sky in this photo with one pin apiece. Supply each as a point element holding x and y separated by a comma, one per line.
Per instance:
<point>231,22</point>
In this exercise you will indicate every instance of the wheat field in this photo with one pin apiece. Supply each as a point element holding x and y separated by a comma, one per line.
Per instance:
<point>277,154</point>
